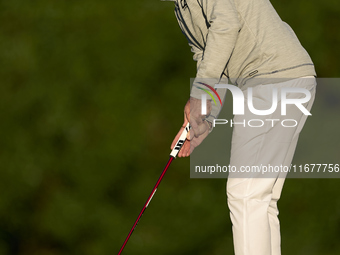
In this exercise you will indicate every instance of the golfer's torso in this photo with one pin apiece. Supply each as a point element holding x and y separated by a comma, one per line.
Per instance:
<point>266,47</point>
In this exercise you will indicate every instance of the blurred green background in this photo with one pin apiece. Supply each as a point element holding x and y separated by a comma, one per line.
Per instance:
<point>91,96</point>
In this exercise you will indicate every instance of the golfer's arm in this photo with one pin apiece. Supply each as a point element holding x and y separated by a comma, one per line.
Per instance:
<point>222,17</point>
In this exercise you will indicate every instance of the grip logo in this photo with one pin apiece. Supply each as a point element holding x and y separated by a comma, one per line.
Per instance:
<point>181,141</point>
<point>179,145</point>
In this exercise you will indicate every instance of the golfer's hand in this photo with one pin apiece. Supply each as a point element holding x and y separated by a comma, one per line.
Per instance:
<point>199,128</point>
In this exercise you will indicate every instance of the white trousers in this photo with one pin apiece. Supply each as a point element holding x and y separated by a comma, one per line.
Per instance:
<point>252,200</point>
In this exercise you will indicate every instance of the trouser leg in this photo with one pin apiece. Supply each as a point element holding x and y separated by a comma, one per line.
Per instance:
<point>273,211</point>
<point>252,200</point>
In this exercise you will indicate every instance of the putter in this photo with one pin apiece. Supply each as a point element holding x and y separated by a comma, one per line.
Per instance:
<point>173,156</point>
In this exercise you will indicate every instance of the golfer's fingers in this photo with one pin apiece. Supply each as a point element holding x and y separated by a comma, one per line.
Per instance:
<point>179,133</point>
<point>199,130</point>
<point>189,146</point>
<point>194,123</point>
<point>185,151</point>
<point>197,141</point>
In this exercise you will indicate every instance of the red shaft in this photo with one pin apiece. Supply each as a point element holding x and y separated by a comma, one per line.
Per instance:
<point>146,203</point>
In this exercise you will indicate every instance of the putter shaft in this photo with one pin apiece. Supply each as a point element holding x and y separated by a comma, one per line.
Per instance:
<point>173,155</point>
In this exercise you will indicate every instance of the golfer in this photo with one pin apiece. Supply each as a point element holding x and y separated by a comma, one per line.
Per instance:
<point>246,43</point>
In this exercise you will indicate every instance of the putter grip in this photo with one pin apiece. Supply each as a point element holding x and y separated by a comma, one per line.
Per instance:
<point>180,141</point>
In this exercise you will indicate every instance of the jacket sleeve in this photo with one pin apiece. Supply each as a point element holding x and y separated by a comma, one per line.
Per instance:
<point>198,54</point>
<point>224,26</point>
